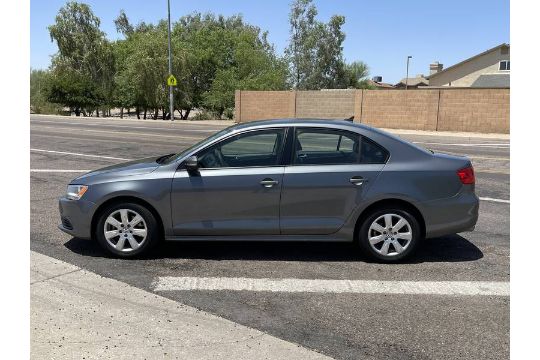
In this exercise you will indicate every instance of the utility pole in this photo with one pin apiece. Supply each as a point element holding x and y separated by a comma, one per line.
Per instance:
<point>407,76</point>
<point>171,95</point>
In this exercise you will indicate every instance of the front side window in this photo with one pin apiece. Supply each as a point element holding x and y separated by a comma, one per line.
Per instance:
<point>325,147</point>
<point>504,65</point>
<point>254,148</point>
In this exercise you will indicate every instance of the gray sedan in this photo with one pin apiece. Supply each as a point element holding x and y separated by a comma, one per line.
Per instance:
<point>278,180</point>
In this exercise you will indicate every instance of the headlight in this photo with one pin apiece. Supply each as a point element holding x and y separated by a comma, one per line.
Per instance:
<point>75,192</point>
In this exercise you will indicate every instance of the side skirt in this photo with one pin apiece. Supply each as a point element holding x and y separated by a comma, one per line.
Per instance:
<point>306,238</point>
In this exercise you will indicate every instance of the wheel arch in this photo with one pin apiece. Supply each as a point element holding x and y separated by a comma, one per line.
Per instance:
<point>385,203</point>
<point>125,199</point>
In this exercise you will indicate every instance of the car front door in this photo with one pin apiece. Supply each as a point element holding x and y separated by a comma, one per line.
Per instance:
<point>330,171</point>
<point>236,190</point>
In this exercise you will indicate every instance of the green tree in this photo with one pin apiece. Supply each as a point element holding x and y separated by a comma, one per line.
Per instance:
<point>224,54</point>
<point>39,82</point>
<point>357,73</point>
<point>123,25</point>
<point>301,52</point>
<point>74,90</point>
<point>84,51</point>
<point>315,51</point>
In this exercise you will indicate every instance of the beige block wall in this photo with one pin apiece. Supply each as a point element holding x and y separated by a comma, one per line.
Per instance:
<point>469,110</point>
<point>261,105</point>
<point>325,104</point>
<point>475,110</point>
<point>400,109</point>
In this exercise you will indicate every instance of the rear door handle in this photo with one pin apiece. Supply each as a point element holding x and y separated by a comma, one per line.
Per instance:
<point>268,183</point>
<point>357,180</point>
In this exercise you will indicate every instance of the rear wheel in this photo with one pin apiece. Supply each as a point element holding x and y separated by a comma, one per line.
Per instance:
<point>127,230</point>
<point>389,234</point>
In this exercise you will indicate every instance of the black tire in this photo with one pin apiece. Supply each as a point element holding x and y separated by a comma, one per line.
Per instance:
<point>363,234</point>
<point>152,230</point>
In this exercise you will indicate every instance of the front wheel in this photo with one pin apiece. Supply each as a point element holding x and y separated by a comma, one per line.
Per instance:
<point>389,234</point>
<point>127,230</point>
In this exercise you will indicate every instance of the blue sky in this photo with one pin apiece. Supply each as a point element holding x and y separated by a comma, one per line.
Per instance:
<point>381,33</point>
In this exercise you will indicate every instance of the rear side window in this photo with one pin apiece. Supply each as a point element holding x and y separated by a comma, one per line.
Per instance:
<point>372,153</point>
<point>314,146</point>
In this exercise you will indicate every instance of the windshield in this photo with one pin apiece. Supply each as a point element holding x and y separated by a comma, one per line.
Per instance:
<point>199,144</point>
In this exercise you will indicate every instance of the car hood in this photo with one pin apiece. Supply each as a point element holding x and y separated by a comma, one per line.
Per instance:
<point>130,168</point>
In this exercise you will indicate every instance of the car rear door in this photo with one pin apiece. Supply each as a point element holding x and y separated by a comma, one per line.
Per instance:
<point>330,171</point>
<point>236,189</point>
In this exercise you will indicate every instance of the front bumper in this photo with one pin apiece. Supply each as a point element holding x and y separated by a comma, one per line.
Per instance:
<point>76,217</point>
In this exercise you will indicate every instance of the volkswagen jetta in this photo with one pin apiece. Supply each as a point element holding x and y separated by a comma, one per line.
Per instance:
<point>278,180</point>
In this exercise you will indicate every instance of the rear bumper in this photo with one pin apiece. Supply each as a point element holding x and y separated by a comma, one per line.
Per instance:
<point>76,217</point>
<point>452,215</point>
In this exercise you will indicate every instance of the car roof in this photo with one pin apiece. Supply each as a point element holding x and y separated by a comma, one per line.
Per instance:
<point>301,122</point>
<point>330,123</point>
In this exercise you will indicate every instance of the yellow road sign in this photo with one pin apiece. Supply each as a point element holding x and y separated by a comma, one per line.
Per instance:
<point>171,80</point>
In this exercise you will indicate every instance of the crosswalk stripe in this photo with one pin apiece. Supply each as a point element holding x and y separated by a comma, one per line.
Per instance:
<point>470,288</point>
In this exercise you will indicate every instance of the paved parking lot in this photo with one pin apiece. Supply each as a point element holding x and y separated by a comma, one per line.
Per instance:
<point>427,324</point>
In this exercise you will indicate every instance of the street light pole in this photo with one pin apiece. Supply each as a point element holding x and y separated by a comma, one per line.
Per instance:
<point>171,96</point>
<point>407,76</point>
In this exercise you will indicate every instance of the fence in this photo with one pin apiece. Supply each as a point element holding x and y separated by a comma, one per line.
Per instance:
<point>453,109</point>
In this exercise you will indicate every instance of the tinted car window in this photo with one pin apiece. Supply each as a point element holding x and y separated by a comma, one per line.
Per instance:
<point>372,153</point>
<point>254,148</point>
<point>325,146</point>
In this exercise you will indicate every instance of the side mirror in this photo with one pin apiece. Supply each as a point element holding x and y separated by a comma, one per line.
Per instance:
<point>192,163</point>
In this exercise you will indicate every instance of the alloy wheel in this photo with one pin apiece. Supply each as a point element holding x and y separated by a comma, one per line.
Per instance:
<point>390,234</point>
<point>125,230</point>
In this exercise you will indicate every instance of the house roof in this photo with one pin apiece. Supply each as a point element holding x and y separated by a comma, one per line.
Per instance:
<point>469,59</point>
<point>492,81</point>
<point>380,84</point>
<point>414,81</point>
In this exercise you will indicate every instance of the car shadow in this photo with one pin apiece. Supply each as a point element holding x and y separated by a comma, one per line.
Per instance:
<point>453,248</point>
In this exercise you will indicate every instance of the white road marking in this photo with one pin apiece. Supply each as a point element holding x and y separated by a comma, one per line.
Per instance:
<point>111,132</point>
<point>495,200</point>
<point>495,145</point>
<point>58,170</point>
<point>109,140</point>
<point>485,157</point>
<point>120,126</point>
<point>79,154</point>
<point>491,288</point>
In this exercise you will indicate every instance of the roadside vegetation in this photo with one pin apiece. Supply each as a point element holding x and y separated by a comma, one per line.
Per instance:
<point>213,56</point>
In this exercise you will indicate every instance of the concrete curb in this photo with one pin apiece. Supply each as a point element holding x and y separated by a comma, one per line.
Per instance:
<point>79,314</point>
<point>448,134</point>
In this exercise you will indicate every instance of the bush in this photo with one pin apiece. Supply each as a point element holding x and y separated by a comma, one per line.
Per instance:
<point>229,113</point>
<point>204,115</point>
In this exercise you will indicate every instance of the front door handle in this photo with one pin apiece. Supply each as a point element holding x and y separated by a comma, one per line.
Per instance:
<point>357,180</point>
<point>268,183</point>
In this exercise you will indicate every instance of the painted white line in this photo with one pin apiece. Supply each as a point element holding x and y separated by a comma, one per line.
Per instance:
<point>111,132</point>
<point>169,283</point>
<point>120,126</point>
<point>495,200</point>
<point>495,145</point>
<point>58,171</point>
<point>79,154</point>
<point>485,157</point>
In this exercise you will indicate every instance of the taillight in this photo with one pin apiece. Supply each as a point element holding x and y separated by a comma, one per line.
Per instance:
<point>466,175</point>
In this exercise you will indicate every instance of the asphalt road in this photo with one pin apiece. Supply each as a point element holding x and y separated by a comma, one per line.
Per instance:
<point>345,326</point>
